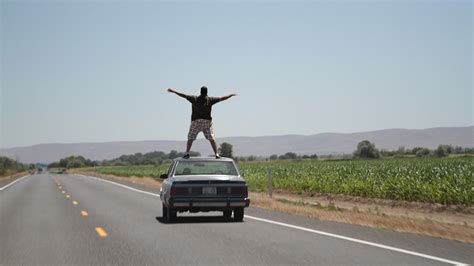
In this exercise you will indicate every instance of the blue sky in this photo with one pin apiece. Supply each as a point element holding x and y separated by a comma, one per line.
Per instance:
<point>98,71</point>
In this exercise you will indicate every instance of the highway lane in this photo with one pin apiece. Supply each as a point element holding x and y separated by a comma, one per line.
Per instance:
<point>41,225</point>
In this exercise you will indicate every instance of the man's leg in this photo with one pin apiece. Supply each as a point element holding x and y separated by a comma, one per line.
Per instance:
<point>209,134</point>
<point>214,146</point>
<point>189,145</point>
<point>193,131</point>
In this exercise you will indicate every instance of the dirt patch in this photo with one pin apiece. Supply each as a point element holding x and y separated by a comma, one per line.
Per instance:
<point>401,221</point>
<point>398,216</point>
<point>456,215</point>
<point>418,206</point>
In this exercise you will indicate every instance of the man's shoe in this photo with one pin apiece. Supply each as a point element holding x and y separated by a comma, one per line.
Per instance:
<point>186,156</point>
<point>218,156</point>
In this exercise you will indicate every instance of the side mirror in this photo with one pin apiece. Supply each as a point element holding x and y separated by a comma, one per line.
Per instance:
<point>164,176</point>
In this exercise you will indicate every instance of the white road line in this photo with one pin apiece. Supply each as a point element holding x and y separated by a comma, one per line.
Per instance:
<point>310,230</point>
<point>358,241</point>
<point>11,183</point>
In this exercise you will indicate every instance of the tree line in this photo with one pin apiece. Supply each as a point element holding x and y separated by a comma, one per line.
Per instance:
<point>151,158</point>
<point>364,150</point>
<point>9,166</point>
<point>226,150</point>
<point>73,162</point>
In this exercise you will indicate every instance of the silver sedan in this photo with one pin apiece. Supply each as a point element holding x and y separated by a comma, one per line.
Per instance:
<point>202,185</point>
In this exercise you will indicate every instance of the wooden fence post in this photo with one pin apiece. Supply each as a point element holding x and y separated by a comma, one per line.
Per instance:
<point>270,182</point>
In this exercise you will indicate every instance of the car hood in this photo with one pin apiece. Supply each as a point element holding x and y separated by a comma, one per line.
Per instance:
<point>186,178</point>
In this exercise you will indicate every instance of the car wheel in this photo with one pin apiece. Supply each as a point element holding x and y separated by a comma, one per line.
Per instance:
<point>171,214</point>
<point>227,214</point>
<point>164,211</point>
<point>238,214</point>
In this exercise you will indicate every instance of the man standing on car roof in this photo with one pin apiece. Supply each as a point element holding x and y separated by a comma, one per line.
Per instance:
<point>201,119</point>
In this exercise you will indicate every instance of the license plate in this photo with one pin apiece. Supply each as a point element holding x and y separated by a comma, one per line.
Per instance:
<point>209,190</point>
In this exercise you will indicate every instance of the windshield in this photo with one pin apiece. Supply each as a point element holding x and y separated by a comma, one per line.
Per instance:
<point>205,168</point>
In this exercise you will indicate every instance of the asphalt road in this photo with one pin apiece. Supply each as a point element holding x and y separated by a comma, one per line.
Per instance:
<point>94,222</point>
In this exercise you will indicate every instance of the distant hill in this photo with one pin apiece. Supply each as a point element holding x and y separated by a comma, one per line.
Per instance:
<point>321,144</point>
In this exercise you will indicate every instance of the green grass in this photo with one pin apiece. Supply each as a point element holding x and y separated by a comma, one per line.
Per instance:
<point>127,171</point>
<point>445,180</point>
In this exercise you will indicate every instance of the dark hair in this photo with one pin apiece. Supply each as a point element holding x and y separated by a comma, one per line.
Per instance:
<point>203,91</point>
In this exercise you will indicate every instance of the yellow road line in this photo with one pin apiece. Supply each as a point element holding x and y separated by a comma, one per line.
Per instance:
<point>67,196</point>
<point>60,187</point>
<point>84,213</point>
<point>64,192</point>
<point>101,232</point>
<point>75,202</point>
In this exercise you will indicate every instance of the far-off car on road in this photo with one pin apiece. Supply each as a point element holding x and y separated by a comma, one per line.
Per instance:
<point>203,185</point>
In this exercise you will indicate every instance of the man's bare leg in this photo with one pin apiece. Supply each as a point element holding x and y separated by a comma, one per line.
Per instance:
<point>214,147</point>
<point>188,148</point>
<point>189,145</point>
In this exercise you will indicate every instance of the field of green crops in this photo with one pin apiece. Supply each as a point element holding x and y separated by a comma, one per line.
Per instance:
<point>446,180</point>
<point>139,170</point>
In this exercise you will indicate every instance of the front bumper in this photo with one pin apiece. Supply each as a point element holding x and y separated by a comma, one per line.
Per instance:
<point>208,202</point>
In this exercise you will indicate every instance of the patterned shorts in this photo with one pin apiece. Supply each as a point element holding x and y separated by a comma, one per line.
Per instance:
<point>201,125</point>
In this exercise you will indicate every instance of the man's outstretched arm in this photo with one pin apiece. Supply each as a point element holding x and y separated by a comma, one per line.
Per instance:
<point>221,99</point>
<point>178,93</point>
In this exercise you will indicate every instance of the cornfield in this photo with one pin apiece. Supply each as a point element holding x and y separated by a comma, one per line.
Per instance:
<point>445,181</point>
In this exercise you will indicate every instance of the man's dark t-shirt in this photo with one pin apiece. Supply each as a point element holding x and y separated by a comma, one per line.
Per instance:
<point>202,106</point>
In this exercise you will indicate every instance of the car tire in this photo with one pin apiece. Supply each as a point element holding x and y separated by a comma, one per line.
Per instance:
<point>227,214</point>
<point>238,214</point>
<point>171,214</point>
<point>164,211</point>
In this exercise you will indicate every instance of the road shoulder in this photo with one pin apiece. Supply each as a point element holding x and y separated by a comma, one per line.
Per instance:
<point>5,180</point>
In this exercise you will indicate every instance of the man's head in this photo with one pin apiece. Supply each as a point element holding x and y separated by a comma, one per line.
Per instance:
<point>203,91</point>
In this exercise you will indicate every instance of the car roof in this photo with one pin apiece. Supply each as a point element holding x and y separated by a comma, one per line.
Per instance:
<point>207,159</point>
